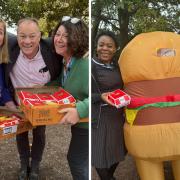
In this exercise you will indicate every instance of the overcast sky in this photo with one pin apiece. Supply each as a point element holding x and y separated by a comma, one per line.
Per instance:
<point>11,30</point>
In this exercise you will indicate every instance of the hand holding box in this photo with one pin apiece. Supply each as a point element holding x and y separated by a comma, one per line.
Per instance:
<point>119,98</point>
<point>44,109</point>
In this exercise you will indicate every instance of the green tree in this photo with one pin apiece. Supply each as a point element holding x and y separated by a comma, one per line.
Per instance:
<point>128,18</point>
<point>48,12</point>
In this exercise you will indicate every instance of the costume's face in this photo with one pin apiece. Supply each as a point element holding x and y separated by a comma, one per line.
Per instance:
<point>1,33</point>
<point>28,38</point>
<point>61,42</point>
<point>105,49</point>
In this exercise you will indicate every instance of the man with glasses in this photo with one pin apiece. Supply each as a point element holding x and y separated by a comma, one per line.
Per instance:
<point>33,63</point>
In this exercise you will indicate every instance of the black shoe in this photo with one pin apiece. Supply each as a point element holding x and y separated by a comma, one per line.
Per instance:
<point>34,175</point>
<point>113,178</point>
<point>24,173</point>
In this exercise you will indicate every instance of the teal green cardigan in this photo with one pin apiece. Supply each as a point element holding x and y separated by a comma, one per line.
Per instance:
<point>77,84</point>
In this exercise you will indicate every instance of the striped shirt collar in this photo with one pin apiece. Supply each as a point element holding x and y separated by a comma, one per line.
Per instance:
<point>36,57</point>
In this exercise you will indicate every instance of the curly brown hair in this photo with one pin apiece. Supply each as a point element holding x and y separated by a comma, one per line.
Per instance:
<point>78,37</point>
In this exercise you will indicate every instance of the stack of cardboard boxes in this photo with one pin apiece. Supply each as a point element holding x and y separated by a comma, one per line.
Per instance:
<point>38,106</point>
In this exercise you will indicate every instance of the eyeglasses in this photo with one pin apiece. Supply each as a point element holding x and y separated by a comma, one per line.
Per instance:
<point>72,20</point>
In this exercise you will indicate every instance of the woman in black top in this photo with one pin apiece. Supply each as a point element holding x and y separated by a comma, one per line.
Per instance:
<point>107,121</point>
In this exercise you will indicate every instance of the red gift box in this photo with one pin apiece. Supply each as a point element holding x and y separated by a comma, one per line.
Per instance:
<point>12,124</point>
<point>43,111</point>
<point>63,97</point>
<point>9,121</point>
<point>45,97</point>
<point>60,97</point>
<point>119,98</point>
<point>67,100</point>
<point>24,95</point>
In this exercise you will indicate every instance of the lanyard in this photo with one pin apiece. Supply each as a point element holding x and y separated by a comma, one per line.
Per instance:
<point>66,71</point>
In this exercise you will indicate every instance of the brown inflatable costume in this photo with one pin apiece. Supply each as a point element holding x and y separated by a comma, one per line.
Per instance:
<point>150,67</point>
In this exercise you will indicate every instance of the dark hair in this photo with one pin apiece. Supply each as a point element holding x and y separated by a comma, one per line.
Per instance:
<point>107,33</point>
<point>78,37</point>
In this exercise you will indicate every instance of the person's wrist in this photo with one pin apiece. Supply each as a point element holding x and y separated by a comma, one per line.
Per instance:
<point>10,104</point>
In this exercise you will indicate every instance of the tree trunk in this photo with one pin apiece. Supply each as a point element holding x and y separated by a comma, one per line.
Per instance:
<point>123,16</point>
<point>95,25</point>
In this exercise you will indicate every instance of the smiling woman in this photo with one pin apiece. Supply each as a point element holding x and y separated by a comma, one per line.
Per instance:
<point>106,48</point>
<point>107,121</point>
<point>71,41</point>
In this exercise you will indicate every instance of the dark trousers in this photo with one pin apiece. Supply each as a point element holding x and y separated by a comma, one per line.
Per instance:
<point>78,154</point>
<point>107,173</point>
<point>37,148</point>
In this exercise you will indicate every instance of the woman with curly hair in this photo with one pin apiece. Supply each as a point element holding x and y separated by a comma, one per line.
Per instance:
<point>71,42</point>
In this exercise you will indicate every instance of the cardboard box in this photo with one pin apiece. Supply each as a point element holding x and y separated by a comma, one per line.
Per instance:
<point>11,128</point>
<point>119,98</point>
<point>43,112</point>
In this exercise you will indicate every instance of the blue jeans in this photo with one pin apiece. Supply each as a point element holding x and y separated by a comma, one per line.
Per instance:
<point>78,154</point>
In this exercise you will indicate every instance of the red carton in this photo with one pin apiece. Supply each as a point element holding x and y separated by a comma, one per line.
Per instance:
<point>63,97</point>
<point>9,121</point>
<point>45,111</point>
<point>45,97</point>
<point>25,95</point>
<point>12,125</point>
<point>119,98</point>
